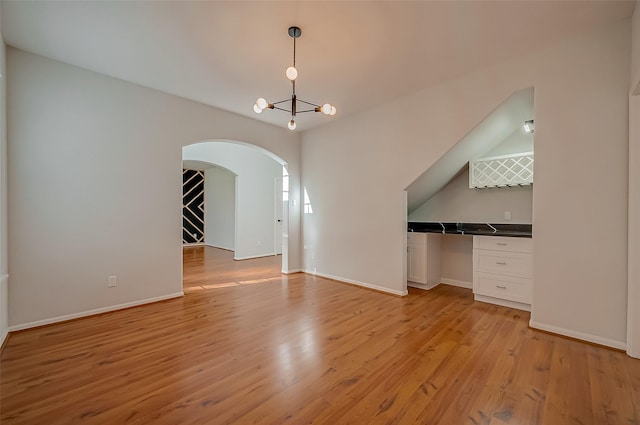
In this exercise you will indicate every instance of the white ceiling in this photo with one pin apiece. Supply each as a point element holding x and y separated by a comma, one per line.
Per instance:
<point>351,54</point>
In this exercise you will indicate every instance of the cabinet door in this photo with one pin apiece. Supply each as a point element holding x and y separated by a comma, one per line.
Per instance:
<point>503,263</point>
<point>416,263</point>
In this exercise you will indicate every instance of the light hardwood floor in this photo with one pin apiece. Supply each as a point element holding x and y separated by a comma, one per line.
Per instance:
<point>247,345</point>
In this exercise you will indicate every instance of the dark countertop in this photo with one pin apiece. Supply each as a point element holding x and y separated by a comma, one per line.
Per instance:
<point>486,229</point>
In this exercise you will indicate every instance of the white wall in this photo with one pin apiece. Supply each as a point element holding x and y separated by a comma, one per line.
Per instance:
<point>456,259</point>
<point>356,168</point>
<point>517,142</point>
<point>95,187</point>
<point>458,204</point>
<point>220,208</point>
<point>635,42</point>
<point>455,202</point>
<point>255,202</point>
<point>633,320</point>
<point>4,290</point>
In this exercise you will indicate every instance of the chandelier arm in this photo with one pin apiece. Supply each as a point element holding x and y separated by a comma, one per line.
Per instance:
<point>282,109</point>
<point>307,110</point>
<point>308,103</point>
<point>281,101</point>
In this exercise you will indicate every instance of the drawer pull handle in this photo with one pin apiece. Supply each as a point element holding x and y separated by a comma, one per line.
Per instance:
<point>501,263</point>
<point>501,243</point>
<point>501,287</point>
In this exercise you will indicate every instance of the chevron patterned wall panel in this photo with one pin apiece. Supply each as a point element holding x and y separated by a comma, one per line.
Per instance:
<point>192,206</point>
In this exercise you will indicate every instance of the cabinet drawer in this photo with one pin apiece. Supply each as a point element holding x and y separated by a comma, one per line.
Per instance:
<point>503,243</point>
<point>504,287</point>
<point>417,238</point>
<point>503,263</point>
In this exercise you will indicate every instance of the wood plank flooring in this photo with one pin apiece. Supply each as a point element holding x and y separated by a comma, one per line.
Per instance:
<point>247,345</point>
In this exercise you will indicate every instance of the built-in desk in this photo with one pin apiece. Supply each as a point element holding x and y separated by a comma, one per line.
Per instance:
<point>502,259</point>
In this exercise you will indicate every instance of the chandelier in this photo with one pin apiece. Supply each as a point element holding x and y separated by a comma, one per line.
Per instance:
<point>292,74</point>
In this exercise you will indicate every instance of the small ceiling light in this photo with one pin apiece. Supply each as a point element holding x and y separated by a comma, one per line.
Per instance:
<point>292,74</point>
<point>528,126</point>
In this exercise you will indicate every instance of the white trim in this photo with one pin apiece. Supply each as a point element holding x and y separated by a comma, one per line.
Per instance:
<point>93,312</point>
<point>206,244</point>
<point>579,335</point>
<point>4,320</point>
<point>218,247</point>
<point>256,256</point>
<point>500,301</point>
<point>454,282</point>
<point>292,271</point>
<point>425,286</point>
<point>507,156</point>
<point>358,283</point>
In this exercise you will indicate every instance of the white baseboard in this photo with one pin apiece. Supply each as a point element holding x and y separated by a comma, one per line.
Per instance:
<point>500,301</point>
<point>621,345</point>
<point>454,282</point>
<point>272,254</point>
<point>93,312</point>
<point>425,286</point>
<point>292,271</point>
<point>219,247</point>
<point>190,245</point>
<point>358,283</point>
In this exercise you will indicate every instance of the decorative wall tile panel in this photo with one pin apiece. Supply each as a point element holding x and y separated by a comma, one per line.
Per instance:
<point>192,206</point>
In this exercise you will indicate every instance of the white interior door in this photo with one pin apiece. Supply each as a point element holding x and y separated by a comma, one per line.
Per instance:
<point>278,222</point>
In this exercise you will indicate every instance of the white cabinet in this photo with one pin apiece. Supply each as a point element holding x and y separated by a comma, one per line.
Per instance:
<point>503,270</point>
<point>423,259</point>
<point>416,262</point>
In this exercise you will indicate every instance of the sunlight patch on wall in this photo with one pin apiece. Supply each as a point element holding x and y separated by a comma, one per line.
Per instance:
<point>307,203</point>
<point>285,184</point>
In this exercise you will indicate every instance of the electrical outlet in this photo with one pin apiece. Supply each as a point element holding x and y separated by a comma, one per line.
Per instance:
<point>257,243</point>
<point>507,215</point>
<point>113,281</point>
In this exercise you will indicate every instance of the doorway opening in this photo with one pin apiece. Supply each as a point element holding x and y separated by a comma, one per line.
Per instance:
<point>245,200</point>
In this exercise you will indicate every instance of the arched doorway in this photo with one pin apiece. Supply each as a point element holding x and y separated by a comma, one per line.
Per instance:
<point>260,196</point>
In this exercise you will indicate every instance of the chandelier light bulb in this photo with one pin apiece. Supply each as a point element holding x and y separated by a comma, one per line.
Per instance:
<point>292,73</point>
<point>292,124</point>
<point>333,110</point>
<point>326,109</point>
<point>257,109</point>
<point>261,103</point>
